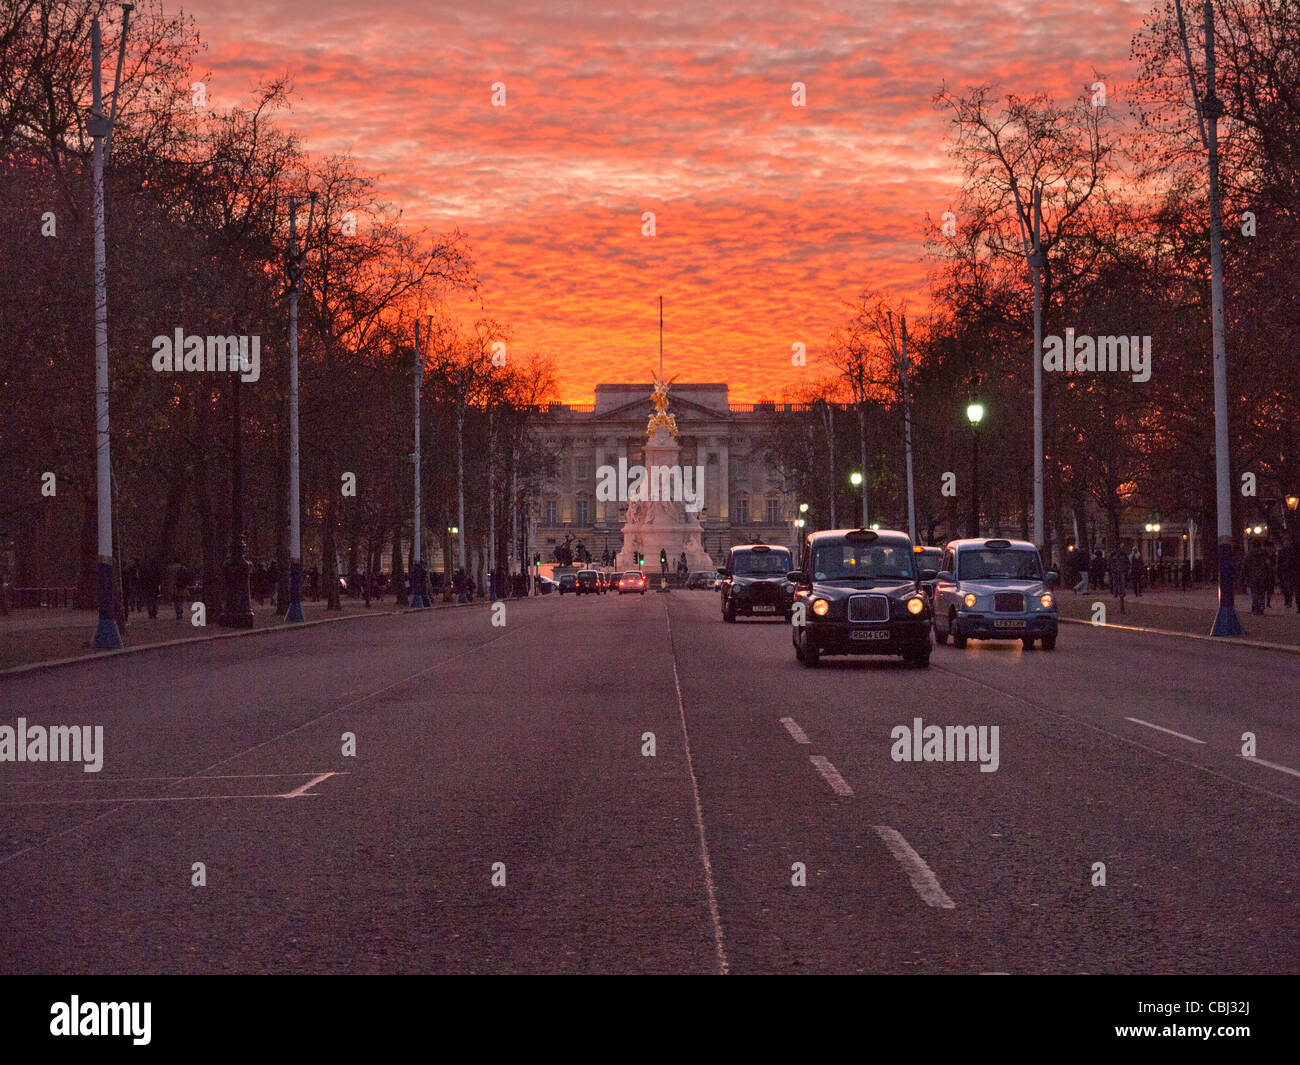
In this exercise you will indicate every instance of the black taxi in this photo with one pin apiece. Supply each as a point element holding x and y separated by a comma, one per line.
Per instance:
<point>861,594</point>
<point>754,582</point>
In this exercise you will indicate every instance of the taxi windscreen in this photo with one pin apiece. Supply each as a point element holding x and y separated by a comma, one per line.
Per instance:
<point>765,562</point>
<point>862,562</point>
<point>991,564</point>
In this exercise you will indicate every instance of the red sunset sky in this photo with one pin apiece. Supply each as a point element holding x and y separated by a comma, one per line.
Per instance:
<point>769,216</point>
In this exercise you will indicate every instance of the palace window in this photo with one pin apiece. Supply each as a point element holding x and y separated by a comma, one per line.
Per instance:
<point>742,510</point>
<point>774,512</point>
<point>580,513</point>
<point>552,517</point>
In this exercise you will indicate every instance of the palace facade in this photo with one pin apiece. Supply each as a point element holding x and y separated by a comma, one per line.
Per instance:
<point>743,500</point>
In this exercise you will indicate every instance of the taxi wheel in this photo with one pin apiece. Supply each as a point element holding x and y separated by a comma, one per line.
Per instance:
<point>798,646</point>
<point>940,637</point>
<point>1027,642</point>
<point>958,642</point>
<point>729,610</point>
<point>1049,643</point>
<point>812,654</point>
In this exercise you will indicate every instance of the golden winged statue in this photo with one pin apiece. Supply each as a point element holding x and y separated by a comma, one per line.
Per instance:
<point>661,418</point>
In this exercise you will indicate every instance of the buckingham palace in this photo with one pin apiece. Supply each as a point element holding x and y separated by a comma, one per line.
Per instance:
<point>742,499</point>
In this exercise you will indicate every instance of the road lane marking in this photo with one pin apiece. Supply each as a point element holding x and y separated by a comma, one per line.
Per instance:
<point>324,715</point>
<point>1272,765</point>
<point>792,727</point>
<point>118,800</point>
<point>832,775</point>
<point>100,779</point>
<point>298,792</point>
<point>1126,741</point>
<point>1161,728</point>
<point>922,878</point>
<point>723,966</point>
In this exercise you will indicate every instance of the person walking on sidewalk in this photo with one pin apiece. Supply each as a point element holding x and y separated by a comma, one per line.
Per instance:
<point>1286,567</point>
<point>1135,570</point>
<point>1116,569</point>
<point>150,579</point>
<point>1259,578</point>
<point>175,589</point>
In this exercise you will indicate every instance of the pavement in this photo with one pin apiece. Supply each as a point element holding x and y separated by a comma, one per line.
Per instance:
<point>627,784</point>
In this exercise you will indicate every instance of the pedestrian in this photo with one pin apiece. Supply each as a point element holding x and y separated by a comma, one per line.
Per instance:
<point>1135,570</point>
<point>149,582</point>
<point>134,594</point>
<point>175,589</point>
<point>1116,569</point>
<point>1259,577</point>
<point>1286,567</point>
<point>1080,561</point>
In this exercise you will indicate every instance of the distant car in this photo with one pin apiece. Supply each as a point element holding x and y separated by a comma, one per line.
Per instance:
<point>587,582</point>
<point>927,558</point>
<point>994,590</point>
<point>568,582</point>
<point>701,579</point>
<point>754,582</point>
<point>861,595</point>
<point>632,581</point>
<point>546,586</point>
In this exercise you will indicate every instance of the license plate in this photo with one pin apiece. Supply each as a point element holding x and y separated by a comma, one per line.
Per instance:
<point>873,634</point>
<point>1007,623</point>
<point>764,610</point>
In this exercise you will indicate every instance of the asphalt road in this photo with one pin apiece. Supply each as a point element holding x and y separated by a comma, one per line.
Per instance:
<point>523,745</point>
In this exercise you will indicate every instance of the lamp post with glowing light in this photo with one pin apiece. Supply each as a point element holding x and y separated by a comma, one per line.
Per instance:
<point>975,415</point>
<point>857,481</point>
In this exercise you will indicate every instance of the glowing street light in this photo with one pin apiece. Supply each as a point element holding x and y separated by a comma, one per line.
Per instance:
<point>974,415</point>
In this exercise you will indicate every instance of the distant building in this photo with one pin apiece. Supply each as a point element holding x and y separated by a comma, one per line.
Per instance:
<point>743,499</point>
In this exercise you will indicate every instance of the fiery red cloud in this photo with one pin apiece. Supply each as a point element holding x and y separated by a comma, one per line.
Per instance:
<point>769,217</point>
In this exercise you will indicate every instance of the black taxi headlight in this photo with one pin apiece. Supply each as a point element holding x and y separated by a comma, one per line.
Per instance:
<point>820,607</point>
<point>915,605</point>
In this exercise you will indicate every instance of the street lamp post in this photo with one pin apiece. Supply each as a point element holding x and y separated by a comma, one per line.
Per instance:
<point>974,414</point>
<point>417,562</point>
<point>296,261</point>
<point>100,127</point>
<point>907,424</point>
<point>857,481</point>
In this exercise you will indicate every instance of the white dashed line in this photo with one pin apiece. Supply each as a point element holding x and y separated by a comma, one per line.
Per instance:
<point>923,880</point>
<point>297,792</point>
<point>1161,728</point>
<point>724,967</point>
<point>831,774</point>
<point>792,727</point>
<point>1272,765</point>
